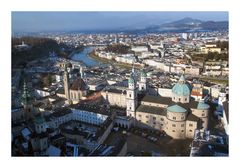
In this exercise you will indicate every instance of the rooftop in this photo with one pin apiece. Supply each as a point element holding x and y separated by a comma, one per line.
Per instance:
<point>192,117</point>
<point>157,99</point>
<point>176,108</point>
<point>151,109</point>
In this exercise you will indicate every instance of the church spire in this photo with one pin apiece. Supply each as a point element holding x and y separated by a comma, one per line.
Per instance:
<point>25,94</point>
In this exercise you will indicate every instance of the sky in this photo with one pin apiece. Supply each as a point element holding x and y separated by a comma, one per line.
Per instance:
<point>76,21</point>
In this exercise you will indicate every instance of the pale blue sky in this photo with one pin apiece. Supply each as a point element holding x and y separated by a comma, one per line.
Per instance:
<point>67,21</point>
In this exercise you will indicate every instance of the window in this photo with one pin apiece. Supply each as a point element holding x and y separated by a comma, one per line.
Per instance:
<point>182,131</point>
<point>142,88</point>
<point>154,123</point>
<point>173,130</point>
<point>179,99</point>
<point>146,121</point>
<point>190,125</point>
<point>182,125</point>
<point>161,124</point>
<point>130,108</point>
<point>139,120</point>
<point>154,118</point>
<point>190,130</point>
<point>162,119</point>
<point>182,117</point>
<point>147,116</point>
<point>203,114</point>
<point>174,118</point>
<point>185,99</point>
<point>130,95</point>
<point>174,125</point>
<point>139,115</point>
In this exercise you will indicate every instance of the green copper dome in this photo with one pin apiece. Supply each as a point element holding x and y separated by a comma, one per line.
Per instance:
<point>202,106</point>
<point>39,120</point>
<point>176,108</point>
<point>143,74</point>
<point>181,88</point>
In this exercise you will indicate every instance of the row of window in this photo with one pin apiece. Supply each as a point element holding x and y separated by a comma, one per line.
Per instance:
<point>182,130</point>
<point>179,99</point>
<point>174,130</point>
<point>174,125</point>
<point>154,123</point>
<point>174,118</point>
<point>154,118</point>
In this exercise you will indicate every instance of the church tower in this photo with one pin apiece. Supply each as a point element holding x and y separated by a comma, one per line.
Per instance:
<point>66,83</point>
<point>143,81</point>
<point>131,97</point>
<point>26,102</point>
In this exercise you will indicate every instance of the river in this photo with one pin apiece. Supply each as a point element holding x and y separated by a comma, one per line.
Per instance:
<point>84,57</point>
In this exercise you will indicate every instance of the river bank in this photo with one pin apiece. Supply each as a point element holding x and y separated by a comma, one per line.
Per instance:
<point>113,62</point>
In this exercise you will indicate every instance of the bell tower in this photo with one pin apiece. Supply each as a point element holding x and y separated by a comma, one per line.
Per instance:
<point>26,102</point>
<point>131,97</point>
<point>66,83</point>
<point>143,82</point>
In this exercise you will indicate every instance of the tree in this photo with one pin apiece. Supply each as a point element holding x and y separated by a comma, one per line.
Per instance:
<point>118,48</point>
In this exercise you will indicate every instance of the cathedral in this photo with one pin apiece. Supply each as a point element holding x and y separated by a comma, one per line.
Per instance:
<point>178,115</point>
<point>76,90</point>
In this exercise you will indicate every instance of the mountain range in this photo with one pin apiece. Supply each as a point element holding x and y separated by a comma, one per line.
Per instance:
<point>186,25</point>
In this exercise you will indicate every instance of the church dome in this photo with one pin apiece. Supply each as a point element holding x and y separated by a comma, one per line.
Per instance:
<point>39,120</point>
<point>176,108</point>
<point>181,88</point>
<point>202,106</point>
<point>143,74</point>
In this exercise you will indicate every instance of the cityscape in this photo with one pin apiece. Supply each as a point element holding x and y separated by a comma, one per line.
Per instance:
<point>120,84</point>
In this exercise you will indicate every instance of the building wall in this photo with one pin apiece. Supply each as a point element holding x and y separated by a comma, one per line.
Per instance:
<point>176,129</point>
<point>175,116</point>
<point>150,120</point>
<point>182,99</point>
<point>142,86</point>
<point>154,104</point>
<point>40,127</point>
<point>117,99</point>
<point>77,94</point>
<point>190,128</point>
<point>193,70</point>
<point>175,125</point>
<point>39,143</point>
<point>88,117</point>
<point>203,115</point>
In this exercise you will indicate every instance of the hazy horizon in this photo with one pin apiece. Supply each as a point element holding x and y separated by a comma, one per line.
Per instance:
<point>73,21</point>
